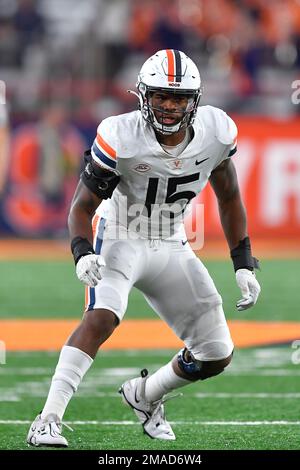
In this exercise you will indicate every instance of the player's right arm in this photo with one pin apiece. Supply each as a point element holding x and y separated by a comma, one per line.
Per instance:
<point>96,184</point>
<point>82,211</point>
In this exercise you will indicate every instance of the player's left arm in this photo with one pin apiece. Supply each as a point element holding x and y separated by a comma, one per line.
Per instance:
<point>233,217</point>
<point>231,208</point>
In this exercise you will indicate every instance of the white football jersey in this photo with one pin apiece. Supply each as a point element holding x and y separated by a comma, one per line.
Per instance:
<point>155,187</point>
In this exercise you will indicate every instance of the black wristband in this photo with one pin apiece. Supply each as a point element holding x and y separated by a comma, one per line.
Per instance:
<point>242,257</point>
<point>81,247</point>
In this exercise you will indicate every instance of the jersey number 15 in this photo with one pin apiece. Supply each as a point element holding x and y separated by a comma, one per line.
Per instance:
<point>172,196</point>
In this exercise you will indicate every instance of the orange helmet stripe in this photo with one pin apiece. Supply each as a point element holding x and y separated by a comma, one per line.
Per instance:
<point>171,65</point>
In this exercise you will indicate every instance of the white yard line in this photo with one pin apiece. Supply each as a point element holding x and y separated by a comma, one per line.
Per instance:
<point>181,423</point>
<point>287,395</point>
<point>18,396</point>
<point>6,397</point>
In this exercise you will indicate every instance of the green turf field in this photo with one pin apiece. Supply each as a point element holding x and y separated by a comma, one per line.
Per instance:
<point>41,289</point>
<point>254,405</point>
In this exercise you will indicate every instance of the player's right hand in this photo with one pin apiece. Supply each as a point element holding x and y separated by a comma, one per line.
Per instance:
<point>88,269</point>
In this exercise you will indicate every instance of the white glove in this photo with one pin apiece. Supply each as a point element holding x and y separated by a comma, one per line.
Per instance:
<point>249,286</point>
<point>88,269</point>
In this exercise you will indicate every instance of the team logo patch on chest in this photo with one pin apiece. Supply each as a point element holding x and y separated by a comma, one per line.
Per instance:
<point>175,164</point>
<point>142,167</point>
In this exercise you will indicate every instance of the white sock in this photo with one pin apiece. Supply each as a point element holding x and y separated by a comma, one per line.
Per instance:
<point>72,365</point>
<point>163,381</point>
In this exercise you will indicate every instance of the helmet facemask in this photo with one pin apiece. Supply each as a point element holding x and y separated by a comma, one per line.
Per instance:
<point>147,109</point>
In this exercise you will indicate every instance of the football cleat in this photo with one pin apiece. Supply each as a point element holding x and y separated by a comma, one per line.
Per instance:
<point>46,432</point>
<point>150,414</point>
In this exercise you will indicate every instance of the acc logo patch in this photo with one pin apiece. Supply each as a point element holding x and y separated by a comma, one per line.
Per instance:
<point>142,167</point>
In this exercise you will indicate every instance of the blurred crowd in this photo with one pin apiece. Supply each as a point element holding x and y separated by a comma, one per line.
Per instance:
<point>87,53</point>
<point>67,64</point>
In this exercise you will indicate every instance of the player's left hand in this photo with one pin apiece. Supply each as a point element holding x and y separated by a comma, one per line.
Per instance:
<point>249,286</point>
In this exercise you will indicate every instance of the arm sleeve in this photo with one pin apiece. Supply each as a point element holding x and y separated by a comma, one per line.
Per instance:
<point>103,150</point>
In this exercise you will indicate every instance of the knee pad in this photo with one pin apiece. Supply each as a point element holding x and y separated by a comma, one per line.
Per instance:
<point>189,365</point>
<point>200,370</point>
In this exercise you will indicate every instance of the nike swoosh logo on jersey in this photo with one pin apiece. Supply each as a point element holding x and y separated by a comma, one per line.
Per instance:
<point>201,161</point>
<point>184,242</point>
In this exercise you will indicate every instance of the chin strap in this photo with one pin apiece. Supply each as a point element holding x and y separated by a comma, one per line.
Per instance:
<point>164,129</point>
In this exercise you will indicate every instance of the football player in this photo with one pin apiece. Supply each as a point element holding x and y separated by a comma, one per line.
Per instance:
<point>133,168</point>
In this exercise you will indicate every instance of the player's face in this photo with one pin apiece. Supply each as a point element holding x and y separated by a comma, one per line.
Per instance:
<point>168,108</point>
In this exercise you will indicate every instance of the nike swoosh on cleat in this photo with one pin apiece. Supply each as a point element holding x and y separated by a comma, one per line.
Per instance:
<point>201,161</point>
<point>136,397</point>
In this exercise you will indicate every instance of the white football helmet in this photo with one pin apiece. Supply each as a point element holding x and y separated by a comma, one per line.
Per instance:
<point>170,71</point>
